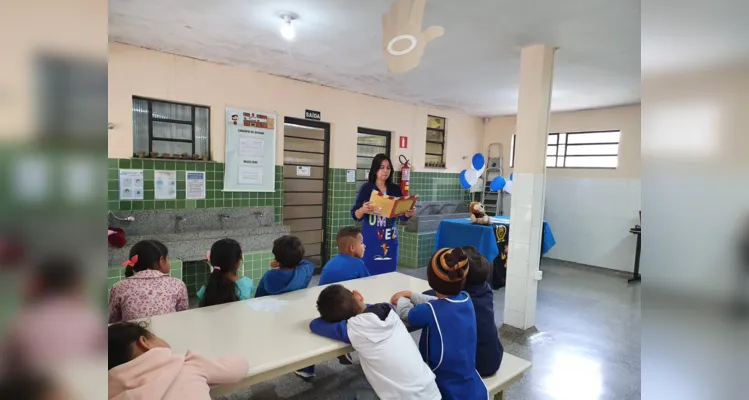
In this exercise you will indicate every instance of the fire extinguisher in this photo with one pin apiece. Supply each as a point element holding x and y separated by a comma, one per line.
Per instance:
<point>405,174</point>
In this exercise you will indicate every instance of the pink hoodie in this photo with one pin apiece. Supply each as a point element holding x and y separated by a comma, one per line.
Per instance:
<point>159,374</point>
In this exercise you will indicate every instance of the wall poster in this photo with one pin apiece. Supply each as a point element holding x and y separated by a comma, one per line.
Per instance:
<point>250,151</point>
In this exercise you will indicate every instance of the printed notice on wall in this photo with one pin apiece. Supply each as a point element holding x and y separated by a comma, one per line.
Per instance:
<point>194,185</point>
<point>131,184</point>
<point>303,170</point>
<point>251,147</point>
<point>250,176</point>
<point>165,185</point>
<point>250,151</point>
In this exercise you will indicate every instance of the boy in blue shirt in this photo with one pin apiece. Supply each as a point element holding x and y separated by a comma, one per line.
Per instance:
<point>448,339</point>
<point>290,271</point>
<point>348,264</point>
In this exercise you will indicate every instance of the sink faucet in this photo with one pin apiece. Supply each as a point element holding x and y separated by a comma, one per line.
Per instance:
<point>223,216</point>
<point>181,218</point>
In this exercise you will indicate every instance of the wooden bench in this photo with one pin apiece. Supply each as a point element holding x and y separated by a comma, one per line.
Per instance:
<point>511,371</point>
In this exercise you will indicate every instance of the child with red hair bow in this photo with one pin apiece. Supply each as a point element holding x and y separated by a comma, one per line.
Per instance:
<point>148,289</point>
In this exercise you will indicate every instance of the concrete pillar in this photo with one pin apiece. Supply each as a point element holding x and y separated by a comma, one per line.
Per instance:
<point>528,190</point>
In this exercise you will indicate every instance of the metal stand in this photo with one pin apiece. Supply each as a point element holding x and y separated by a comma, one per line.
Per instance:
<point>636,277</point>
<point>492,201</point>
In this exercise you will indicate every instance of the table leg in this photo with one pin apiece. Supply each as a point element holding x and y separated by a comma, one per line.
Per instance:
<point>636,275</point>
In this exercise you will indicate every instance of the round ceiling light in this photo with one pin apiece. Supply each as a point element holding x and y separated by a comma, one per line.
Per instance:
<point>398,38</point>
<point>287,29</point>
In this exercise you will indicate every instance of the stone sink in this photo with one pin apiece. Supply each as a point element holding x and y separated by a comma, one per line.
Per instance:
<point>429,214</point>
<point>189,234</point>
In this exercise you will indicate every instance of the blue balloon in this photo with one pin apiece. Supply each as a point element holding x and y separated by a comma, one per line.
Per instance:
<point>463,180</point>
<point>497,184</point>
<point>478,161</point>
<point>511,175</point>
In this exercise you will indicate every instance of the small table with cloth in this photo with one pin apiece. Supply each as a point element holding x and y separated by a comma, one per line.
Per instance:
<point>490,240</point>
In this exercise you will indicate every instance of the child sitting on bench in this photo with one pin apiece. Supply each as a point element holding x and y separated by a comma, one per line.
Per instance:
<point>389,357</point>
<point>448,340</point>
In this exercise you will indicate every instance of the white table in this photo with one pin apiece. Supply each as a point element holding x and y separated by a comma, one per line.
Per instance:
<point>271,332</point>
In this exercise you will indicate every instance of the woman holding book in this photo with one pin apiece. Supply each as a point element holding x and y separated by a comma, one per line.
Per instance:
<point>380,233</point>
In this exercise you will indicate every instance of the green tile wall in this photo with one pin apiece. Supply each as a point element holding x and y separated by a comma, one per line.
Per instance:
<point>195,273</point>
<point>415,250</point>
<point>215,197</point>
<point>438,186</point>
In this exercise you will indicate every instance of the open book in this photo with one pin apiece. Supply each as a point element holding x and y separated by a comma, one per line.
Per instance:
<point>391,207</point>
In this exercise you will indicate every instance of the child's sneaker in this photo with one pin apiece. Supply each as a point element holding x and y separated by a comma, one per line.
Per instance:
<point>306,374</point>
<point>346,359</point>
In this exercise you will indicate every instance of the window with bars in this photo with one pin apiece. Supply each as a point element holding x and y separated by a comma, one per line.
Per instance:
<point>579,150</point>
<point>435,146</point>
<point>369,143</point>
<point>164,129</point>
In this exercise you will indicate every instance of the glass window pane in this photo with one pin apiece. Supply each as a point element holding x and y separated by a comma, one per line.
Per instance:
<point>369,151</point>
<point>202,132</point>
<point>562,138</point>
<point>434,148</point>
<point>375,140</point>
<point>551,150</point>
<point>178,112</point>
<point>436,122</point>
<point>435,136</point>
<point>172,148</point>
<point>140,126</point>
<point>551,161</point>
<point>560,162</point>
<point>553,138</point>
<point>561,151</point>
<point>597,149</point>
<point>594,137</point>
<point>364,162</point>
<point>168,130</point>
<point>592,162</point>
<point>433,161</point>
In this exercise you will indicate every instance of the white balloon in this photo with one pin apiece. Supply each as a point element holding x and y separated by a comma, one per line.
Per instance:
<point>508,187</point>
<point>472,176</point>
<point>481,171</point>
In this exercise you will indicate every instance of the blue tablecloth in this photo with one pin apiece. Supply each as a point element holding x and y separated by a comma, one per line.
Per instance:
<point>461,232</point>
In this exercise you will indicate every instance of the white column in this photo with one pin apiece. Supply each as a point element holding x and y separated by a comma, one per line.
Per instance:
<point>527,207</point>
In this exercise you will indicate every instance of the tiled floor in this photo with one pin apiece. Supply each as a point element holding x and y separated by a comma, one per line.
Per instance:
<point>587,344</point>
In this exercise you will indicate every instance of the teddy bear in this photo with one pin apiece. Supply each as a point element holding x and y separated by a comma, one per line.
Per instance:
<point>478,216</point>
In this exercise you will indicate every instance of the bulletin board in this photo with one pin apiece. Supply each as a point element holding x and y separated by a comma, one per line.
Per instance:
<point>250,151</point>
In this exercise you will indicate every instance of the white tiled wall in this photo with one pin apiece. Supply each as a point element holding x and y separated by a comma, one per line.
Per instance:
<point>591,218</point>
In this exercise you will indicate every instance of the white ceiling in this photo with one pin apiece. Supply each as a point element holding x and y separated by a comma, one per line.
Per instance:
<point>473,68</point>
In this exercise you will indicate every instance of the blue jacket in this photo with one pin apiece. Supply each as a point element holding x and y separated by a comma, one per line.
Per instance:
<point>489,349</point>
<point>343,267</point>
<point>277,281</point>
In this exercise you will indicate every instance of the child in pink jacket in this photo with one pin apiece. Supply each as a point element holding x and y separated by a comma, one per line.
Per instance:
<point>142,367</point>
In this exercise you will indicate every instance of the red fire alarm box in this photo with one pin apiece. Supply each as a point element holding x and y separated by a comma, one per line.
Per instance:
<point>403,142</point>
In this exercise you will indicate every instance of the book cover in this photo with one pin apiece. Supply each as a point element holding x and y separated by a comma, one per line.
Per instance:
<point>390,206</point>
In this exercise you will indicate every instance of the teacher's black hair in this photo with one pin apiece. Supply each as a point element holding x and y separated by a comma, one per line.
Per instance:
<point>376,163</point>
